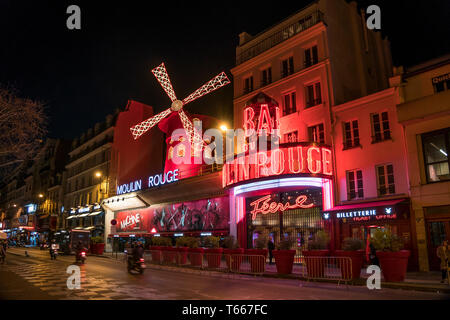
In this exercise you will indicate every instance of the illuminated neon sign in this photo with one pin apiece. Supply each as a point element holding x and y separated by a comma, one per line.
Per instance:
<point>301,159</point>
<point>153,181</point>
<point>264,206</point>
<point>163,178</point>
<point>364,214</point>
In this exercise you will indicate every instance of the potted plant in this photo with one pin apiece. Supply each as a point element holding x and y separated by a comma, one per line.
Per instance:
<point>213,251</point>
<point>393,260</point>
<point>353,249</point>
<point>97,245</point>
<point>233,254</point>
<point>284,257</point>
<point>317,247</point>
<point>195,253</point>
<point>182,248</point>
<point>255,261</point>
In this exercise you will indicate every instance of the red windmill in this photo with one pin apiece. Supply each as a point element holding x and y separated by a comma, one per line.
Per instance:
<point>194,137</point>
<point>177,105</point>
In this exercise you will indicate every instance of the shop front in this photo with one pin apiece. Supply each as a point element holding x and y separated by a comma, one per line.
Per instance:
<point>90,218</point>
<point>192,218</point>
<point>359,221</point>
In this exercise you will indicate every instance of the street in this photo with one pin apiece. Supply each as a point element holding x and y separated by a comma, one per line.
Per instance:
<point>38,277</point>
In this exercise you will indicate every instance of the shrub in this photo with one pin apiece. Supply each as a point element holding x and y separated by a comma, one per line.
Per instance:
<point>384,240</point>
<point>319,242</point>
<point>230,243</point>
<point>351,244</point>
<point>285,244</point>
<point>211,242</point>
<point>192,242</point>
<point>182,242</point>
<point>261,242</point>
<point>97,240</point>
<point>162,241</point>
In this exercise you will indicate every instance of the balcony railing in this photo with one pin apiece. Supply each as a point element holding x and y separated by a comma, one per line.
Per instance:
<point>282,35</point>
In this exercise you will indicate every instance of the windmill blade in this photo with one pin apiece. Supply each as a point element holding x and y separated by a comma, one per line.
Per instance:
<point>194,137</point>
<point>139,129</point>
<point>215,83</point>
<point>163,79</point>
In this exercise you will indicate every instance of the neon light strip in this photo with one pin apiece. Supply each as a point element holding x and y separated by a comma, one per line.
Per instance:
<point>278,183</point>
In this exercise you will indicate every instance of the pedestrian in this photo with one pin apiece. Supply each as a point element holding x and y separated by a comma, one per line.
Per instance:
<point>270,246</point>
<point>2,252</point>
<point>443,253</point>
<point>373,255</point>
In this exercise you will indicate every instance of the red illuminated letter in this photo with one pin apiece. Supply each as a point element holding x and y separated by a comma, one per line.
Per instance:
<point>277,159</point>
<point>264,121</point>
<point>326,162</point>
<point>314,162</point>
<point>261,165</point>
<point>292,160</point>
<point>249,125</point>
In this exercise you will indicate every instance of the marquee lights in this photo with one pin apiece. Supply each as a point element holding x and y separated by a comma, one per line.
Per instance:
<point>310,159</point>
<point>264,206</point>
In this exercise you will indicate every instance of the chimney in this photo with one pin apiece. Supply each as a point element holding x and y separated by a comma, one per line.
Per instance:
<point>244,37</point>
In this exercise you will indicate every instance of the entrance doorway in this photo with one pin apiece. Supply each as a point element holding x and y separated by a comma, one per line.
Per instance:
<point>437,231</point>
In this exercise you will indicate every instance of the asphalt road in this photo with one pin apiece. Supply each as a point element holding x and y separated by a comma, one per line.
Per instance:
<point>38,277</point>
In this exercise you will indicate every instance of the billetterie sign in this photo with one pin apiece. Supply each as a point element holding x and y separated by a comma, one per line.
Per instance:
<point>152,181</point>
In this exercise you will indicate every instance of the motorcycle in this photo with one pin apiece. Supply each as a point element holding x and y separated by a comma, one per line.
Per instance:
<point>136,265</point>
<point>81,256</point>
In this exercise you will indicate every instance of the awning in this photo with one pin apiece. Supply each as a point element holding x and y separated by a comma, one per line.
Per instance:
<point>375,204</point>
<point>73,216</point>
<point>78,228</point>
<point>95,213</point>
<point>83,215</point>
<point>89,228</point>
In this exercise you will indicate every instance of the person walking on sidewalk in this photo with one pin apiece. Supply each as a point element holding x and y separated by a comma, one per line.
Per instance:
<point>270,246</point>
<point>443,253</point>
<point>2,252</point>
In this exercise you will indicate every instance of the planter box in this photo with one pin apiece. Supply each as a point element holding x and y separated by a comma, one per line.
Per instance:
<point>357,258</point>
<point>284,260</point>
<point>393,264</point>
<point>97,248</point>
<point>315,267</point>
<point>156,253</point>
<point>255,262</point>
<point>196,256</point>
<point>233,257</point>
<point>213,256</point>
<point>169,255</point>
<point>182,255</point>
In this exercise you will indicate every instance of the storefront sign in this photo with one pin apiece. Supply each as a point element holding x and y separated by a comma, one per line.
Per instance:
<point>153,181</point>
<point>441,78</point>
<point>130,187</point>
<point>130,222</point>
<point>365,214</point>
<point>302,159</point>
<point>31,208</point>
<point>84,209</point>
<point>264,206</point>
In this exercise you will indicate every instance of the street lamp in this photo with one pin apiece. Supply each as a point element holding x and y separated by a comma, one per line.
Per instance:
<point>223,127</point>
<point>40,195</point>
<point>98,174</point>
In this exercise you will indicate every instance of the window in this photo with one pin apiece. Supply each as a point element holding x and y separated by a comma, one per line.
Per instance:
<point>291,137</point>
<point>266,77</point>
<point>316,133</point>
<point>248,85</point>
<point>311,56</point>
<point>290,105</point>
<point>355,185</point>
<point>287,67</point>
<point>435,148</point>
<point>380,127</point>
<point>351,134</point>
<point>313,95</point>
<point>385,178</point>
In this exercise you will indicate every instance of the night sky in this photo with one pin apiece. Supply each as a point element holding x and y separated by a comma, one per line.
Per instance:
<point>83,75</point>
